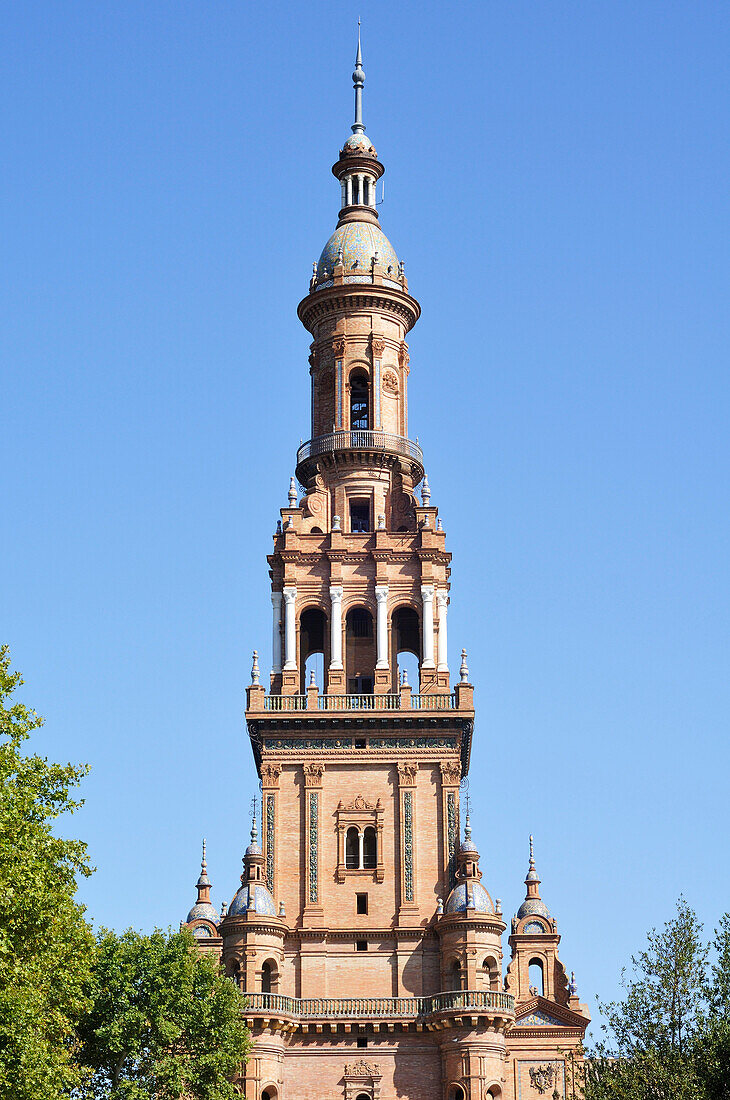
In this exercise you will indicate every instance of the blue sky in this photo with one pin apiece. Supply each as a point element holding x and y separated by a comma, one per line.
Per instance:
<point>557,180</point>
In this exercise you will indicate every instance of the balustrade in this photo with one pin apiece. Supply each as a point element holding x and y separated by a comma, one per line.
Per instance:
<point>383,1008</point>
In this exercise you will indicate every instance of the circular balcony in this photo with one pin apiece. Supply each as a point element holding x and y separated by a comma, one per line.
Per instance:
<point>357,448</point>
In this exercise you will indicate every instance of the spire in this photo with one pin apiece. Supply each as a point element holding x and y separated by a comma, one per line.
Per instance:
<point>358,78</point>
<point>203,908</point>
<point>533,903</point>
<point>203,880</point>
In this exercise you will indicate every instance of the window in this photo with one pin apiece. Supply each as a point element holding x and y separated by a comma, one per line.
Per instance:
<point>360,622</point>
<point>362,1041</point>
<point>352,849</point>
<point>454,976</point>
<point>537,984</point>
<point>359,516</point>
<point>266,978</point>
<point>361,945</point>
<point>362,903</point>
<point>360,743</point>
<point>359,403</point>
<point>370,848</point>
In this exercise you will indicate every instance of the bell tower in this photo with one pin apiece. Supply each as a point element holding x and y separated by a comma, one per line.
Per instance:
<point>363,933</point>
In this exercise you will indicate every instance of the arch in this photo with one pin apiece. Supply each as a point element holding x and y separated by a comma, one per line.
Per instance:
<point>364,1096</point>
<point>453,976</point>
<point>491,973</point>
<point>494,1092</point>
<point>269,1092</point>
<point>352,848</point>
<point>359,401</point>
<point>313,635</point>
<point>269,976</point>
<point>359,650</point>
<point>536,975</point>
<point>406,644</point>
<point>370,848</point>
<point>456,1092</point>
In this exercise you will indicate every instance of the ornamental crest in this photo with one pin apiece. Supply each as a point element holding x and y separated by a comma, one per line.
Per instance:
<point>362,1069</point>
<point>390,382</point>
<point>542,1077</point>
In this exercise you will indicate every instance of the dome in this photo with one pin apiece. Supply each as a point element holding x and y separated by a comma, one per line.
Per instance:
<point>359,242</point>
<point>254,849</point>
<point>468,847</point>
<point>264,901</point>
<point>457,899</point>
<point>533,907</point>
<point>358,144</point>
<point>203,910</point>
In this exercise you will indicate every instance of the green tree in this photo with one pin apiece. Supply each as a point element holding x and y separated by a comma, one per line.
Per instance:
<point>46,946</point>
<point>651,1035</point>
<point>712,1044</point>
<point>165,1022</point>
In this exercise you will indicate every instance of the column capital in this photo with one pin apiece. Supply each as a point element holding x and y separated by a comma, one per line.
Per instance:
<point>381,592</point>
<point>427,593</point>
<point>442,598</point>
<point>276,598</point>
<point>336,591</point>
<point>289,594</point>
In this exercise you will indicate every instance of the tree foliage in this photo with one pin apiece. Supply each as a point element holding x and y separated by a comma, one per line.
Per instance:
<point>46,946</point>
<point>165,1022</point>
<point>669,1038</point>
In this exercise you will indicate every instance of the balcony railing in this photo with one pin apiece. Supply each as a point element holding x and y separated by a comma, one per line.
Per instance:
<point>445,701</point>
<point>360,441</point>
<point>377,1008</point>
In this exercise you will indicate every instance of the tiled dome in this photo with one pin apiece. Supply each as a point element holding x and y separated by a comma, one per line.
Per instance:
<point>264,901</point>
<point>358,144</point>
<point>359,242</point>
<point>457,900</point>
<point>203,910</point>
<point>533,907</point>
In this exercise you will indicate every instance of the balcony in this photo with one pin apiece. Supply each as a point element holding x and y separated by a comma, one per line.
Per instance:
<point>425,1010</point>
<point>359,702</point>
<point>361,447</point>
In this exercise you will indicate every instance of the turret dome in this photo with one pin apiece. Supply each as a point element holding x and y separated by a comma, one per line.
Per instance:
<point>470,895</point>
<point>358,145</point>
<point>203,910</point>
<point>358,241</point>
<point>252,897</point>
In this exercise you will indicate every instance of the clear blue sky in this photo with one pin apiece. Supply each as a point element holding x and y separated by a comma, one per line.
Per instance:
<point>557,183</point>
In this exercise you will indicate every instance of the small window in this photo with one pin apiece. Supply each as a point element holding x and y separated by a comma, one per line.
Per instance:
<point>370,848</point>
<point>362,1041</point>
<point>362,903</point>
<point>360,743</point>
<point>537,981</point>
<point>361,945</point>
<point>359,516</point>
<point>352,849</point>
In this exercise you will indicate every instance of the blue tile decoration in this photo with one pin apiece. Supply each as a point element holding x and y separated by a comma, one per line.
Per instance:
<point>538,1018</point>
<point>359,242</point>
<point>457,899</point>
<point>451,834</point>
<point>533,907</point>
<point>307,742</point>
<point>412,742</point>
<point>203,910</point>
<point>534,928</point>
<point>408,844</point>
<point>202,932</point>
<point>270,810</point>
<point>313,843</point>
<point>264,901</point>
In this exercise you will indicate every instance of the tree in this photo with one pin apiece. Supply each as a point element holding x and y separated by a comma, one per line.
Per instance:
<point>165,1022</point>
<point>46,946</point>
<point>712,1045</point>
<point>651,1035</point>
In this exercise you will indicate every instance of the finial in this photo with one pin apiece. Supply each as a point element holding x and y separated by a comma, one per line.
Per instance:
<point>381,522</point>
<point>254,830</point>
<point>439,907</point>
<point>467,823</point>
<point>532,854</point>
<point>439,524</point>
<point>464,669</point>
<point>203,863</point>
<point>224,909</point>
<point>404,678</point>
<point>425,491</point>
<point>278,526</point>
<point>312,678</point>
<point>254,680</point>
<point>358,78</point>
<point>282,911</point>
<point>292,493</point>
<point>426,521</point>
<point>336,523</point>
<point>498,906</point>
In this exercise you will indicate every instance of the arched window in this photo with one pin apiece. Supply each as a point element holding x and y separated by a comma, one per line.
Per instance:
<point>269,1093</point>
<point>360,651</point>
<point>490,970</point>
<point>266,978</point>
<point>352,849</point>
<point>363,1096</point>
<point>456,1092</point>
<point>454,976</point>
<point>359,403</point>
<point>406,645</point>
<point>537,978</point>
<point>312,641</point>
<point>370,848</point>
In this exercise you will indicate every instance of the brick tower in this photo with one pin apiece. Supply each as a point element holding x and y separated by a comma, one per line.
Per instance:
<point>369,949</point>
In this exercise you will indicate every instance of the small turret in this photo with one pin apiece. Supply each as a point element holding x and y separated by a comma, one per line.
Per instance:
<point>253,896</point>
<point>203,917</point>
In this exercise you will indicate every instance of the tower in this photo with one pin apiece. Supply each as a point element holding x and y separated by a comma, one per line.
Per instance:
<point>365,939</point>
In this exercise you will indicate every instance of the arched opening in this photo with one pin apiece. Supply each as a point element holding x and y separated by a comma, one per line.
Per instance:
<point>370,848</point>
<point>490,973</point>
<point>406,646</point>
<point>363,1096</point>
<point>359,651</point>
<point>270,1093</point>
<point>456,1092</point>
<point>454,976</point>
<point>359,402</point>
<point>536,978</point>
<point>312,642</point>
<point>352,849</point>
<point>266,981</point>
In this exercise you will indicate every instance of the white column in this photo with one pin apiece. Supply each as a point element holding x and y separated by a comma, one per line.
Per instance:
<point>276,632</point>
<point>381,595</point>
<point>361,840</point>
<point>290,629</point>
<point>343,185</point>
<point>427,600</point>
<point>443,601</point>
<point>336,627</point>
<point>360,188</point>
<point>348,190</point>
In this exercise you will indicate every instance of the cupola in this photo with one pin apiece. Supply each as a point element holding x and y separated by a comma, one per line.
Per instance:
<point>468,895</point>
<point>253,896</point>
<point>203,917</point>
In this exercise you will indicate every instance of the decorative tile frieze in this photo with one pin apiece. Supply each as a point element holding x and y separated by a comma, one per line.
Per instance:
<point>313,845</point>
<point>270,840</point>
<point>408,844</point>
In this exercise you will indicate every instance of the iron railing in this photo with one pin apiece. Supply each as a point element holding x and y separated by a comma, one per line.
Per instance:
<point>378,1008</point>
<point>360,441</point>
<point>360,702</point>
